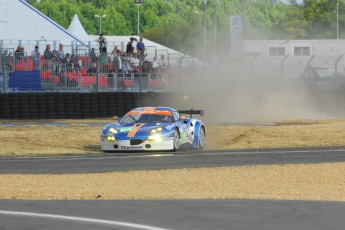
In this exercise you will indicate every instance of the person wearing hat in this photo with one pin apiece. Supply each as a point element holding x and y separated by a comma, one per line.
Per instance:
<point>102,41</point>
<point>129,48</point>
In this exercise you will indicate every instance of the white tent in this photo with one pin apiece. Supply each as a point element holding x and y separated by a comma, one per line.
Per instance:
<point>77,29</point>
<point>22,24</point>
<point>20,21</point>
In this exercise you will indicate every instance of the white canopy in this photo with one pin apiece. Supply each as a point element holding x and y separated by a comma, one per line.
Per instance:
<point>77,29</point>
<point>20,21</point>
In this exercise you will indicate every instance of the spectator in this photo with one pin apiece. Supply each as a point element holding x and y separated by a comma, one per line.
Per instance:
<point>35,54</point>
<point>92,69</point>
<point>102,41</point>
<point>113,54</point>
<point>54,57</point>
<point>115,50</point>
<point>66,59</point>
<point>60,53</point>
<point>103,59</point>
<point>162,63</point>
<point>141,47</point>
<point>5,61</point>
<point>155,63</point>
<point>134,60</point>
<point>117,61</point>
<point>48,55</point>
<point>93,56</point>
<point>72,62</point>
<point>18,54</point>
<point>129,48</point>
<point>77,63</point>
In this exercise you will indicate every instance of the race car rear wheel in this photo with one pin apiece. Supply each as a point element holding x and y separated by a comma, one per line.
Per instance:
<point>176,139</point>
<point>202,138</point>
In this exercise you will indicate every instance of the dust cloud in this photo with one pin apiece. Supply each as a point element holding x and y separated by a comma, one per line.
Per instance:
<point>227,96</point>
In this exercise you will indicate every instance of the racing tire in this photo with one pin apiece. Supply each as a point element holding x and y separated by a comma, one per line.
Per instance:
<point>176,140</point>
<point>202,138</point>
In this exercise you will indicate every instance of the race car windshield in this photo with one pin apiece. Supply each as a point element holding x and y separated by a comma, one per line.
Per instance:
<point>145,118</point>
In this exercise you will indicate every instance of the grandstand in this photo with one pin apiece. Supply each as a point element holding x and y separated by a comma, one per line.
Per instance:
<point>79,73</point>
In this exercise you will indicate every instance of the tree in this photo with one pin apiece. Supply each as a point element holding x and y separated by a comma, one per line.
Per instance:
<point>174,22</point>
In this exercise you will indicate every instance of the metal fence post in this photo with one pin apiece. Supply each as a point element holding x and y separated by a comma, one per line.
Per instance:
<point>141,76</point>
<point>336,64</point>
<point>282,65</point>
<point>97,80</point>
<point>133,82</point>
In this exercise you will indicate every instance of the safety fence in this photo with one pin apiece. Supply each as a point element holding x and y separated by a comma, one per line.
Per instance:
<point>83,74</point>
<point>72,105</point>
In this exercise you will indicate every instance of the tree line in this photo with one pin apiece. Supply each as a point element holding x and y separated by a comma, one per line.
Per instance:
<point>179,24</point>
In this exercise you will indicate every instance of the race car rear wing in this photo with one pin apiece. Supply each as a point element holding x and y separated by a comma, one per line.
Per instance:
<point>192,111</point>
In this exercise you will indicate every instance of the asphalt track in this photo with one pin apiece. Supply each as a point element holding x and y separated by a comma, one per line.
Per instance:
<point>169,214</point>
<point>157,161</point>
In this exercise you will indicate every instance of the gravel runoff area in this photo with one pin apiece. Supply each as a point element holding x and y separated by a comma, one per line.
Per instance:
<point>283,182</point>
<point>291,182</point>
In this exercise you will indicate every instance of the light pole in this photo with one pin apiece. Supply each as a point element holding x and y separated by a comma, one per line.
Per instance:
<point>138,3</point>
<point>100,21</point>
<point>205,7</point>
<point>337,19</point>
<point>215,28</point>
<point>243,28</point>
<point>198,13</point>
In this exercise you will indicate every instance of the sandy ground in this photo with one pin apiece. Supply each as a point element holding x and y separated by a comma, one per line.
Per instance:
<point>292,182</point>
<point>80,137</point>
<point>285,182</point>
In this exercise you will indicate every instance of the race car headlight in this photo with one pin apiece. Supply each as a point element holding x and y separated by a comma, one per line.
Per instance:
<point>113,131</point>
<point>155,137</point>
<point>156,130</point>
<point>110,138</point>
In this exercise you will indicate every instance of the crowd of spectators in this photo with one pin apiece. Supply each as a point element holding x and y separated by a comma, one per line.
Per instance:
<point>132,60</point>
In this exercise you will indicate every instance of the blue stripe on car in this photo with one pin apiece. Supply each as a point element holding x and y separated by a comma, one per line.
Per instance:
<point>196,134</point>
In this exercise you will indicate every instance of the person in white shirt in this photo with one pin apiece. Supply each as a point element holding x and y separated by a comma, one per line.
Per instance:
<point>155,64</point>
<point>102,41</point>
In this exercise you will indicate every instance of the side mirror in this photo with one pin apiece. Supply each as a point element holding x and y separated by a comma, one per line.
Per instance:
<point>182,118</point>
<point>115,118</point>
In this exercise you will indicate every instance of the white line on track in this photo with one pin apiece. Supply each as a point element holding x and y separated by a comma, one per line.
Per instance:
<point>79,158</point>
<point>80,219</point>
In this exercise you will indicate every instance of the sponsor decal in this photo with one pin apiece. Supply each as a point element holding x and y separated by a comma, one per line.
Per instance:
<point>14,89</point>
<point>132,147</point>
<point>189,137</point>
<point>169,127</point>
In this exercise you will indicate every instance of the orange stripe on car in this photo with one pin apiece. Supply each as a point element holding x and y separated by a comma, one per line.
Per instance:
<point>158,112</point>
<point>134,130</point>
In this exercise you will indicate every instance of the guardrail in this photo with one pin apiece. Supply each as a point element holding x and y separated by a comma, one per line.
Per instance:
<point>72,105</point>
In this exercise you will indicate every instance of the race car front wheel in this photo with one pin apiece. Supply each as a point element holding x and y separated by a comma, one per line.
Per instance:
<point>176,139</point>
